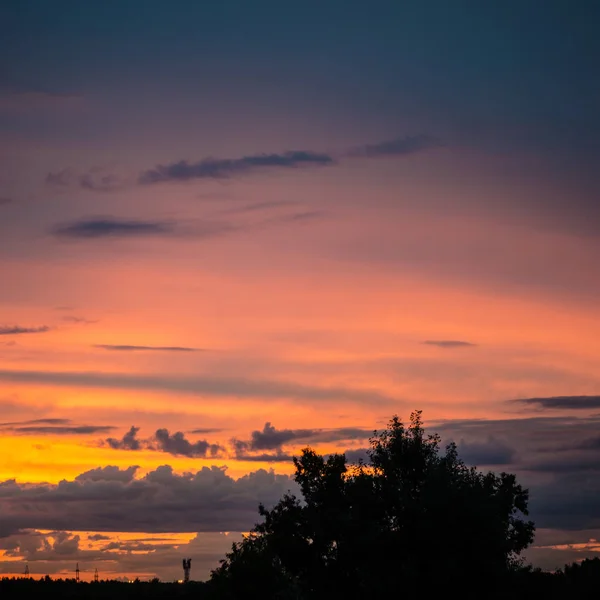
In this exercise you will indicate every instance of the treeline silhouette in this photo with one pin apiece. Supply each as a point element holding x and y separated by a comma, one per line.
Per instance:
<point>412,520</point>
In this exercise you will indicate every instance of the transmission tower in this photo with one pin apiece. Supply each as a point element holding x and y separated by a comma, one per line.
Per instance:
<point>96,576</point>
<point>26,572</point>
<point>187,565</point>
<point>77,573</point>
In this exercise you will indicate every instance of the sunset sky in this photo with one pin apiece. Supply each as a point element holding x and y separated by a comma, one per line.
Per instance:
<point>231,229</point>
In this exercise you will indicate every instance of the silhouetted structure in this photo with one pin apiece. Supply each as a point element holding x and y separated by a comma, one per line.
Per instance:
<point>26,572</point>
<point>96,576</point>
<point>187,565</point>
<point>77,573</point>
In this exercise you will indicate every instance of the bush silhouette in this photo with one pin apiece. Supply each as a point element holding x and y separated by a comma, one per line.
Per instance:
<point>413,517</point>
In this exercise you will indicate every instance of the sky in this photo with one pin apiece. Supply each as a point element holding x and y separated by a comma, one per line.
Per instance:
<point>232,229</point>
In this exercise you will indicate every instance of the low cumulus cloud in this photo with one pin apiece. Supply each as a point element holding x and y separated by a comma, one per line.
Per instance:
<point>563,402</point>
<point>271,438</point>
<point>163,441</point>
<point>19,330</point>
<point>224,168</point>
<point>449,343</point>
<point>178,445</point>
<point>112,499</point>
<point>128,348</point>
<point>129,441</point>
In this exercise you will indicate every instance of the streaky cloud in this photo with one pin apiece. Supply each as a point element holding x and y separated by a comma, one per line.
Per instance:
<point>401,146</point>
<point>218,386</point>
<point>224,168</point>
<point>18,330</point>
<point>99,227</point>
<point>563,402</point>
<point>61,429</point>
<point>449,343</point>
<point>49,421</point>
<point>129,348</point>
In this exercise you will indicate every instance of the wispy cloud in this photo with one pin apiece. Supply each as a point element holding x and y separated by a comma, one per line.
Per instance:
<point>98,227</point>
<point>102,227</point>
<point>224,168</point>
<point>397,147</point>
<point>49,421</point>
<point>79,320</point>
<point>18,330</point>
<point>217,386</point>
<point>127,348</point>
<point>52,426</point>
<point>95,179</point>
<point>449,343</point>
<point>566,402</point>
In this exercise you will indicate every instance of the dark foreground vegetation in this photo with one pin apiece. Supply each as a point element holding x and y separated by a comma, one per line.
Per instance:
<point>412,521</point>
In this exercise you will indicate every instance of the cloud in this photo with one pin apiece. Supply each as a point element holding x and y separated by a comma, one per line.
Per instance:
<point>96,179</point>
<point>126,348</point>
<point>127,442</point>
<point>397,147</point>
<point>110,499</point>
<point>223,168</point>
<point>163,441</point>
<point>449,343</point>
<point>177,444</point>
<point>354,455</point>
<point>79,320</point>
<point>18,330</point>
<point>490,452</point>
<point>271,438</point>
<point>258,206</point>
<point>568,402</point>
<point>62,178</point>
<point>217,386</point>
<point>63,430</point>
<point>101,182</point>
<point>98,227</point>
<point>265,457</point>
<point>204,430</point>
<point>50,421</point>
<point>52,426</point>
<point>4,200</point>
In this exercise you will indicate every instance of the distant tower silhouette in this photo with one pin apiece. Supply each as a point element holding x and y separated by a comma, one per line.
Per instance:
<point>187,565</point>
<point>96,576</point>
<point>77,573</point>
<point>26,572</point>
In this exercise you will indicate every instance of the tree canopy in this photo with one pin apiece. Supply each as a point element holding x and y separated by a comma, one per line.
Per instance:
<point>413,515</point>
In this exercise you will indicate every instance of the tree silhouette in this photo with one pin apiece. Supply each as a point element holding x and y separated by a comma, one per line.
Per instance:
<point>412,516</point>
